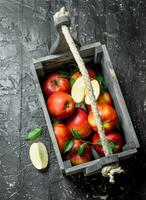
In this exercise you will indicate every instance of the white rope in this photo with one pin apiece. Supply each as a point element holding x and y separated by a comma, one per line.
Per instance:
<point>107,170</point>
<point>110,170</point>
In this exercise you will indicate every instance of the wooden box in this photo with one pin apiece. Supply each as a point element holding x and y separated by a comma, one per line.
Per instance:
<point>100,54</point>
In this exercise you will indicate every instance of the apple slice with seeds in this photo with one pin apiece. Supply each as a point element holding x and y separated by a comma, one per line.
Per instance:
<point>78,90</point>
<point>38,155</point>
<point>96,90</point>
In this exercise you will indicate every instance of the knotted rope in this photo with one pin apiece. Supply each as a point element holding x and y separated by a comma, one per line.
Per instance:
<point>107,170</point>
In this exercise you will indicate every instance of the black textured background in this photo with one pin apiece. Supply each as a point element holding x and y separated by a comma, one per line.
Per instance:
<point>26,32</point>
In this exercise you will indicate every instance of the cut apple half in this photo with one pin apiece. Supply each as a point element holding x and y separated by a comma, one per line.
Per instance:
<point>79,91</point>
<point>38,155</point>
<point>96,90</point>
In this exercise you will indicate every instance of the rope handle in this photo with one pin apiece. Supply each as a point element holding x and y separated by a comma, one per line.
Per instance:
<point>107,170</point>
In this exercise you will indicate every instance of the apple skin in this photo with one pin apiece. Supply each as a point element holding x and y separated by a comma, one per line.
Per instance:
<point>55,83</point>
<point>104,97</point>
<point>79,122</point>
<point>60,105</point>
<point>62,134</point>
<point>76,159</point>
<point>108,117</point>
<point>114,137</point>
<point>76,75</point>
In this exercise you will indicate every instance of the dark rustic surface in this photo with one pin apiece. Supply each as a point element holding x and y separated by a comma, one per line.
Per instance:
<point>26,32</point>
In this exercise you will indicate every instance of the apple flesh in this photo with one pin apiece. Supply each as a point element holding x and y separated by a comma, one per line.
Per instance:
<point>79,91</point>
<point>115,141</point>
<point>60,105</point>
<point>55,83</point>
<point>79,122</point>
<point>108,116</point>
<point>38,155</point>
<point>62,134</point>
<point>73,155</point>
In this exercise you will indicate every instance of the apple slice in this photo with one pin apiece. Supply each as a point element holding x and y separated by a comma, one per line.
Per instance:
<point>96,90</point>
<point>78,90</point>
<point>38,155</point>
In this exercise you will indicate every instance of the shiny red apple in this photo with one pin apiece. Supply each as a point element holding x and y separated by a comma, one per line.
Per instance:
<point>62,134</point>
<point>78,122</point>
<point>115,142</point>
<point>60,105</point>
<point>108,116</point>
<point>74,156</point>
<point>55,83</point>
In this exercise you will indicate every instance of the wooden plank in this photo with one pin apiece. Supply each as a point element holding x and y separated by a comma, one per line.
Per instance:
<point>115,91</point>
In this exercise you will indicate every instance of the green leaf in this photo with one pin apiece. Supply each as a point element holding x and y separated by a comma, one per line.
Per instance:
<point>99,143</point>
<point>75,133</point>
<point>99,78</point>
<point>65,76</point>
<point>111,145</point>
<point>34,134</point>
<point>68,145</point>
<point>81,149</point>
<point>72,81</point>
<point>103,86</point>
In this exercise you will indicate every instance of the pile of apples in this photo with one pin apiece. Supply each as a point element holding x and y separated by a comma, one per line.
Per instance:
<point>69,106</point>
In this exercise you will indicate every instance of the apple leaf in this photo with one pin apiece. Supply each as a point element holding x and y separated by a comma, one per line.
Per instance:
<point>64,74</point>
<point>101,81</point>
<point>76,133</point>
<point>72,81</point>
<point>81,149</point>
<point>34,134</point>
<point>111,145</point>
<point>99,78</point>
<point>68,145</point>
<point>99,143</point>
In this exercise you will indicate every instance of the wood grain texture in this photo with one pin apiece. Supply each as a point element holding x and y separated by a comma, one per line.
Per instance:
<point>26,32</point>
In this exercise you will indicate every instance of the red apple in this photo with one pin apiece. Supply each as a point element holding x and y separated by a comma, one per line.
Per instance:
<point>115,142</point>
<point>62,134</point>
<point>108,117</point>
<point>79,122</point>
<point>75,157</point>
<point>105,97</point>
<point>55,83</point>
<point>60,105</point>
<point>76,75</point>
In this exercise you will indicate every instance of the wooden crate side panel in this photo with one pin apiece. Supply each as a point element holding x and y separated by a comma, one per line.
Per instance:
<point>115,91</point>
<point>47,117</point>
<point>54,61</point>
